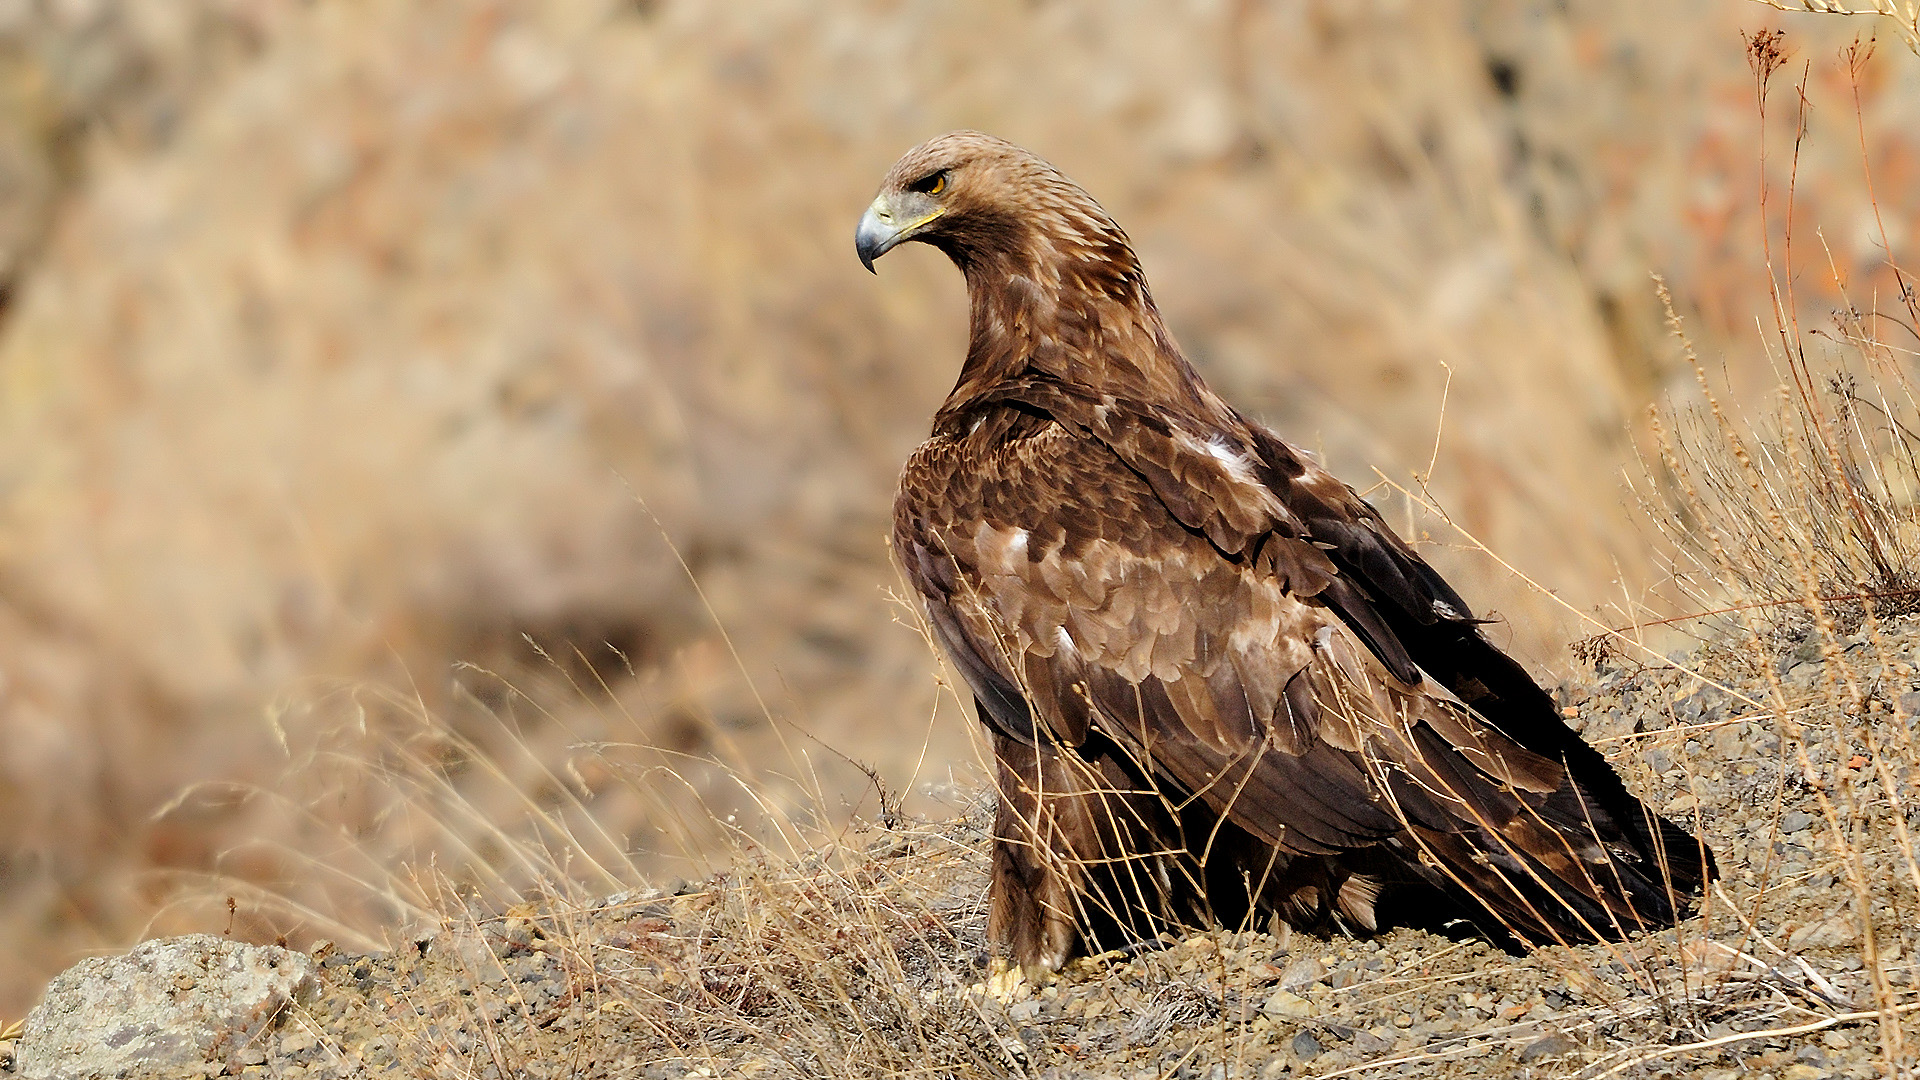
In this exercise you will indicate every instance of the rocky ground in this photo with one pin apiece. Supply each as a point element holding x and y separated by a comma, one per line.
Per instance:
<point>866,958</point>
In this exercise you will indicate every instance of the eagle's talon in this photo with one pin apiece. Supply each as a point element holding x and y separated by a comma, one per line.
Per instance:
<point>1006,982</point>
<point>1108,957</point>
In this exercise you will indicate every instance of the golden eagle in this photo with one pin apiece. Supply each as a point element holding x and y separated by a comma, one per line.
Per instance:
<point>1217,683</point>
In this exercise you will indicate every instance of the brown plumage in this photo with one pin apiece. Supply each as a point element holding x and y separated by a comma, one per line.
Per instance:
<point>1216,682</point>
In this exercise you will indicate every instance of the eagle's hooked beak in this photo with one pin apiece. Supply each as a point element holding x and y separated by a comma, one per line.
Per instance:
<point>886,224</point>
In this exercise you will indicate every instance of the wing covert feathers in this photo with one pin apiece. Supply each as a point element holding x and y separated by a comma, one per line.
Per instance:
<point>1217,682</point>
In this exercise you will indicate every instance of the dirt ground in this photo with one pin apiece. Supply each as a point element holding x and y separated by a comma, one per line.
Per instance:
<point>866,957</point>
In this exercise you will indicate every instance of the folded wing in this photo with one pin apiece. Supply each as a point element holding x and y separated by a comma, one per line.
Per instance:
<point>1255,641</point>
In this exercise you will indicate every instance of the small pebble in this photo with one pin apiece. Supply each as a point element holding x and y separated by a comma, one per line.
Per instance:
<point>1286,1003</point>
<point>1302,973</point>
<point>1551,1046</point>
<point>1305,1046</point>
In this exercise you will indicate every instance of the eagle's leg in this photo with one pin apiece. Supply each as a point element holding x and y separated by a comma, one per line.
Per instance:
<point>1084,850</point>
<point>1031,901</point>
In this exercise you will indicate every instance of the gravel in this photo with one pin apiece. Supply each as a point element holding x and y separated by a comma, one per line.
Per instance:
<point>868,959</point>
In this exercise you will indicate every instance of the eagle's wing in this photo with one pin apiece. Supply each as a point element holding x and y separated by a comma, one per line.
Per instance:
<point>1435,627</point>
<point>1142,583</point>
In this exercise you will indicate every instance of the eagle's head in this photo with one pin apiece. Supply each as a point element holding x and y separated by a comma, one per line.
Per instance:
<point>981,200</point>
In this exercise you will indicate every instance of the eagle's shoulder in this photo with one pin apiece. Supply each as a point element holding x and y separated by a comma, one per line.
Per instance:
<point>1049,547</point>
<point>1014,487</point>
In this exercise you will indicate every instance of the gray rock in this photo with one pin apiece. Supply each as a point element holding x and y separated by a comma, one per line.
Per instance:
<point>1807,651</point>
<point>1828,933</point>
<point>1285,1004</point>
<point>1793,821</point>
<point>166,1009</point>
<point>1302,974</point>
<point>1369,1044</point>
<point>1805,675</point>
<point>1305,1046</point>
<point>1552,1045</point>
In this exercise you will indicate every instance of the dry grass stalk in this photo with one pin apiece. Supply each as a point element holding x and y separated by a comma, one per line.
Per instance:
<point>1904,14</point>
<point>1806,526</point>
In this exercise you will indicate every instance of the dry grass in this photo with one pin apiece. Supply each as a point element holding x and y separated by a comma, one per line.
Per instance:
<point>1798,531</point>
<point>1904,14</point>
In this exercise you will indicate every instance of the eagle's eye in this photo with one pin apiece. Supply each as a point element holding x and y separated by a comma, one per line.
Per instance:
<point>931,184</point>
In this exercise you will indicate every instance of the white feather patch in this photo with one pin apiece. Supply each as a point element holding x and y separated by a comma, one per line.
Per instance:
<point>1236,463</point>
<point>1237,467</point>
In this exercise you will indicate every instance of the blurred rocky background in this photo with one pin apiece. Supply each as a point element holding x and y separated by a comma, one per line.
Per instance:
<point>504,370</point>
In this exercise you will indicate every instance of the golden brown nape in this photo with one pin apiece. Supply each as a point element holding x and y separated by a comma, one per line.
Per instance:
<point>1219,688</point>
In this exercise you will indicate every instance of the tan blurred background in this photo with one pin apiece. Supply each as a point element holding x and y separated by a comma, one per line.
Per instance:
<point>348,348</point>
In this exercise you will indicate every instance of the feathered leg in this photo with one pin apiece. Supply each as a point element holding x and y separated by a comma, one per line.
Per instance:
<point>1082,847</point>
<point>1031,906</point>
